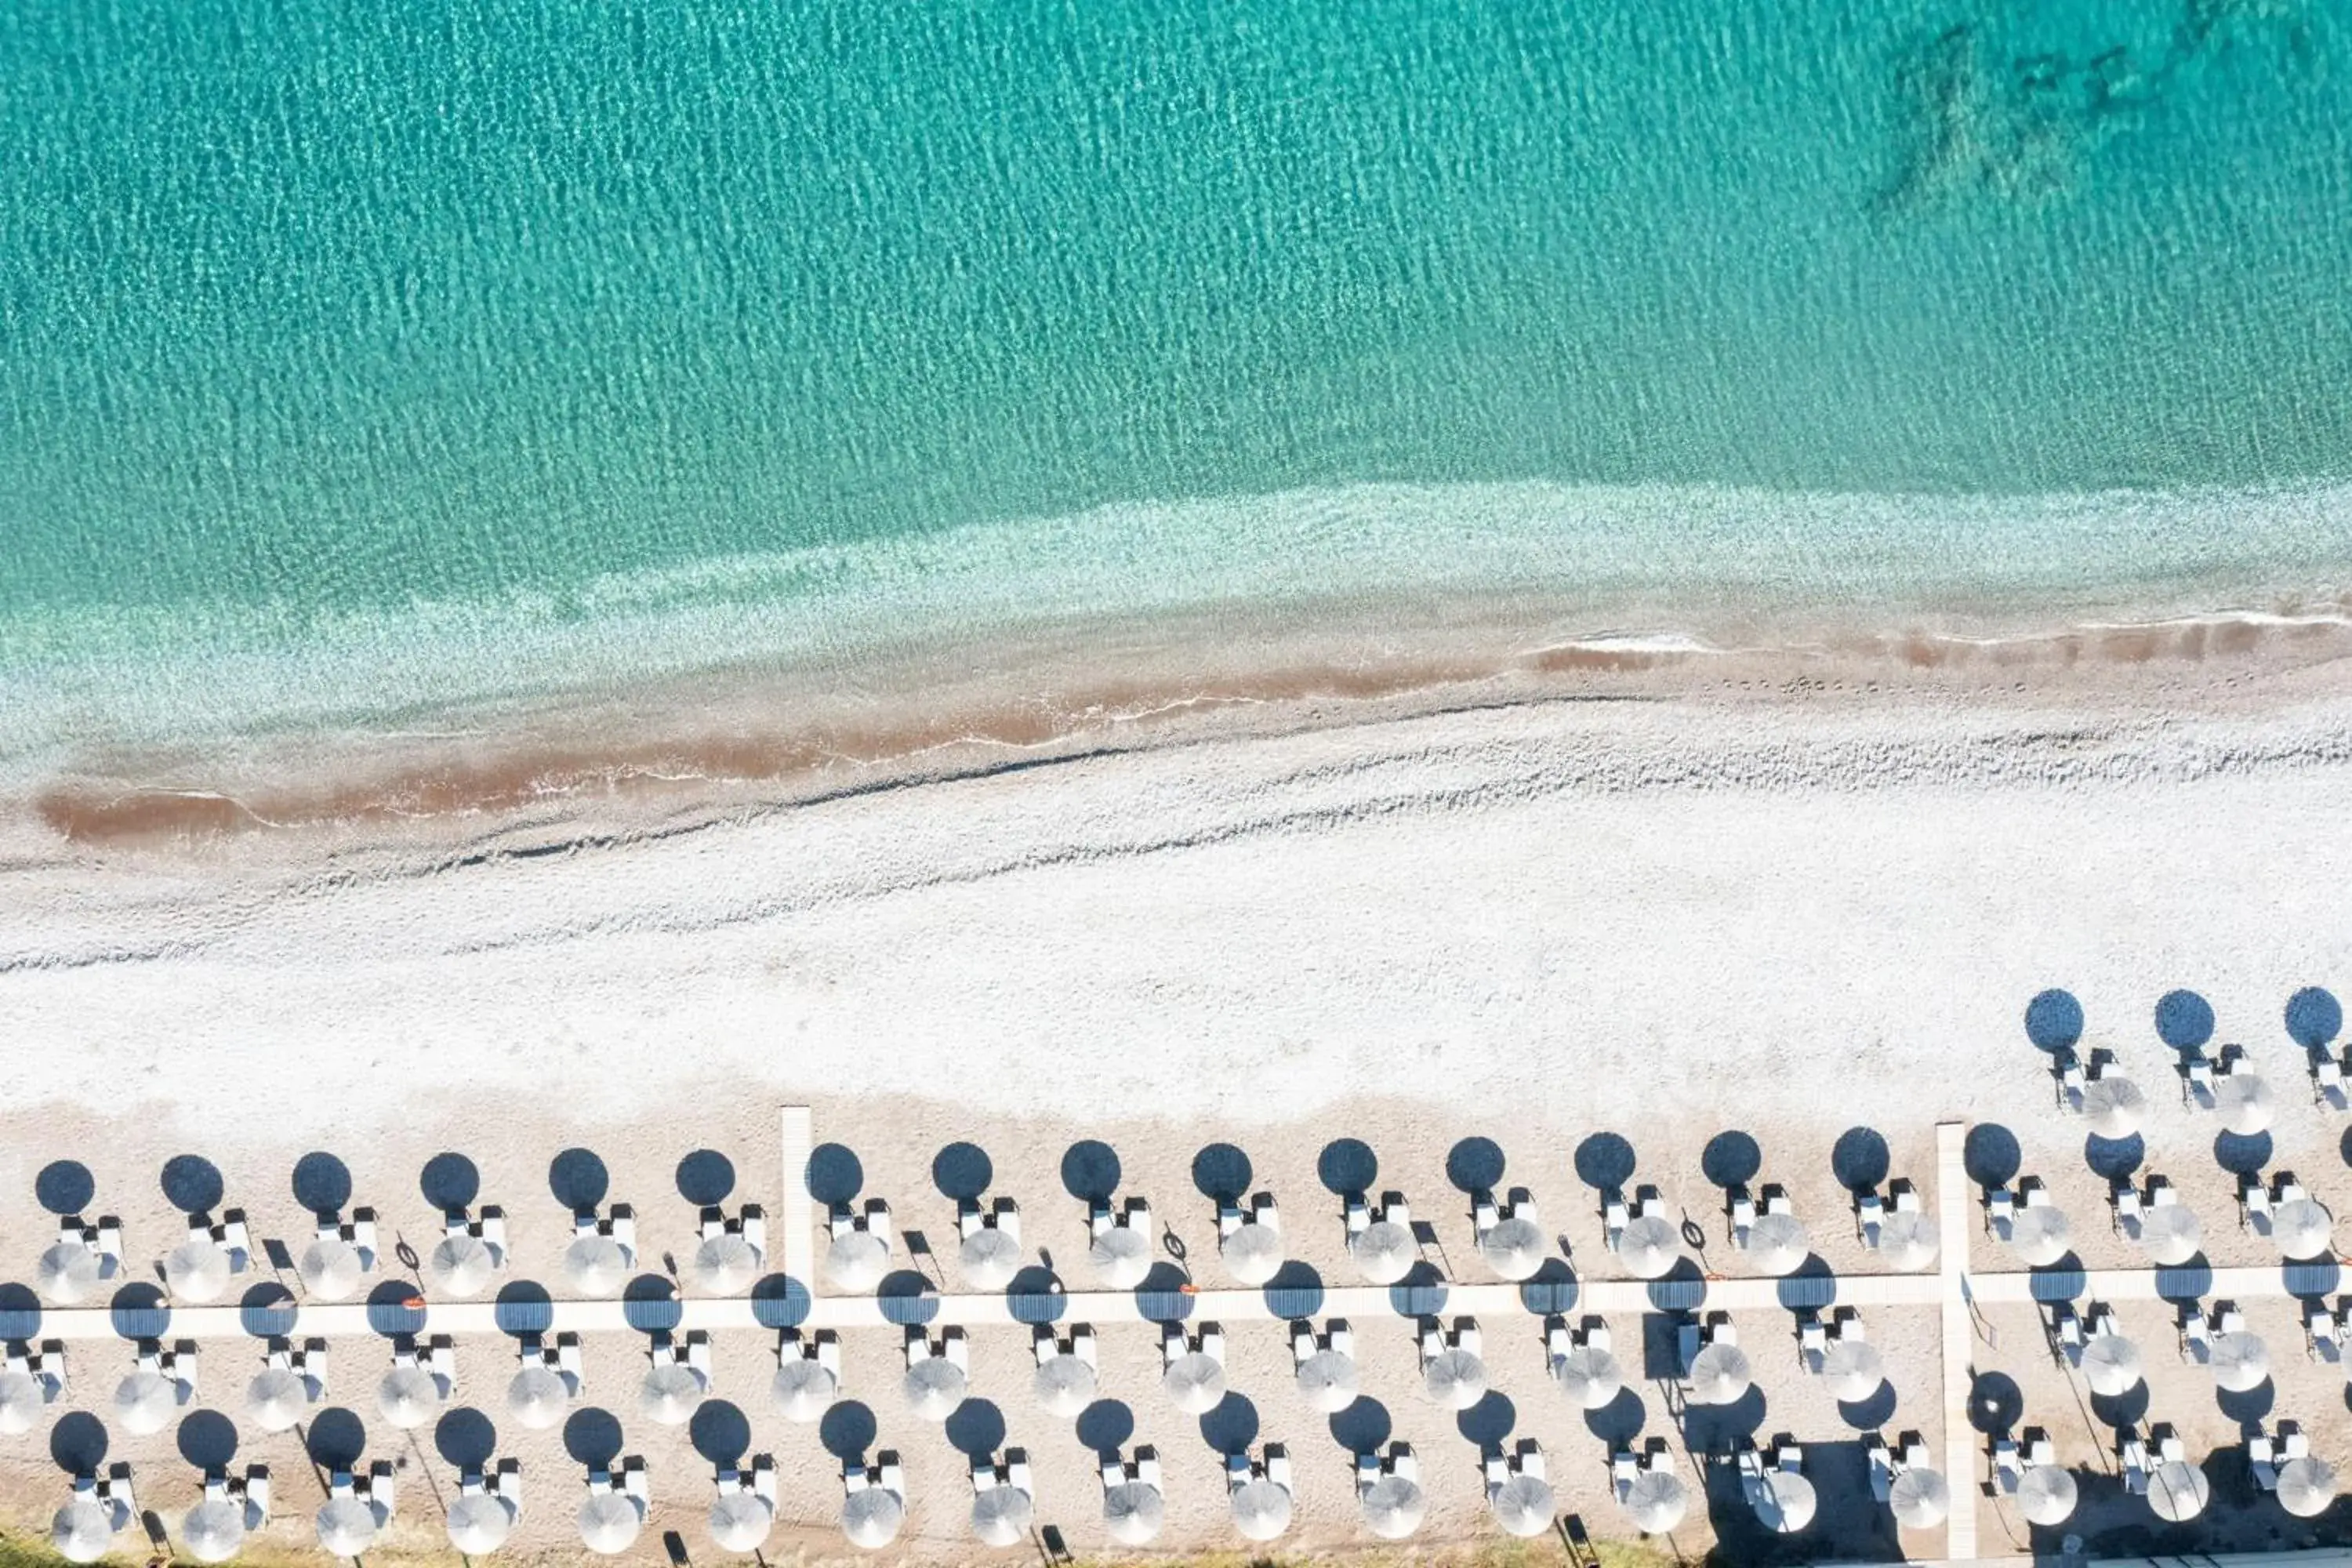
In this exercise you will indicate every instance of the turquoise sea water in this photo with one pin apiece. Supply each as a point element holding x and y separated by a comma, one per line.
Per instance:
<point>359,355</point>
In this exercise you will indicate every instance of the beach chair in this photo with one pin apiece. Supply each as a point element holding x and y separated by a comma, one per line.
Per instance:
<point>1264,1211</point>
<point>1880,1461</point>
<point>1720,1329</point>
<point>2227,1319</point>
<point>1777,1199</point>
<point>1914,1450</point>
<point>2065,1330</point>
<point>1595,1334</point>
<point>2293,1442</point>
<point>1339,1336</point>
<point>1277,1464</point>
<point>635,1485</point>
<point>1613,1215</point>
<point>1431,1340</point>
<point>1530,1461</point>
<point>2033,1193</point>
<point>1082,1343</point>
<point>2327,1080</point>
<point>2133,1454</point>
<point>697,1352</point>
<point>2008,1469</point>
<point>2067,1072</point>
<point>1146,1466</point>
<point>1812,1341</point>
<point>1904,1195</point>
<point>1466,1336</point>
<point>1845,1326</point>
<point>492,1229</point>
<point>1358,1218</point>
<point>363,1236</point>
<point>753,1224</point>
<point>2000,1209</point>
<point>2196,1335</point>
<point>2039,1450</point>
<point>2162,1194</point>
<point>1497,1470</point>
<point>2125,1199</point>
<point>2196,1079</point>
<point>2262,1462</point>
<point>1624,1468</point>
<point>1016,1469</point>
<point>2168,1445</point>
<point>236,1238</point>
<point>1302,1342</point>
<point>1484,1216</point>
<point>568,1361</point>
<point>1789,1457</point>
<point>1869,1217</point>
<point>1688,1339</point>
<point>1741,1208</point>
<point>1114,1472</point>
<point>2319,1342</point>
<point>2287,1190</point>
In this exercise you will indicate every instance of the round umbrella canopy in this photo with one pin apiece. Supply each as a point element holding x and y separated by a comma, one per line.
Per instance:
<point>739,1520</point>
<point>2240,1362</point>
<point>2302,1227</point>
<point>803,1389</point>
<point>1327,1379</point>
<point>408,1396</point>
<point>277,1398</point>
<point>1196,1382</point>
<point>1121,1256</point>
<point>857,1260</point>
<point>1260,1508</point>
<point>872,1517</point>
<point>1253,1253</point>
<point>1658,1500</point>
<point>82,1530</point>
<point>1455,1378</point>
<point>1395,1507</point>
<point>1649,1246</point>
<point>196,1270</point>
<point>934,1387</point>
<point>331,1268</point>
<point>1384,1252</point>
<point>460,1265</point>
<point>2244,1102</point>
<point>1853,1370</point>
<point>1719,1374</point>
<point>1907,1240</point>
<point>2045,1495</point>
<point>724,1264</point>
<point>671,1391</point>
<point>1133,1512</point>
<point>68,1273</point>
<point>1777,1243</point>
<point>2039,1235</point>
<point>2306,1486</point>
<point>1064,1384</point>
<point>22,1400</point>
<point>2170,1234</point>
<point>1000,1516</point>
<point>2113,1107</point>
<point>1920,1499</point>
<point>478,1522</point>
<point>990,1258</point>
<point>538,1396</point>
<point>1785,1501</point>
<point>2177,1491</point>
<point>213,1530</point>
<point>1588,1375</point>
<point>1523,1505</point>
<point>608,1522</point>
<point>145,1401</point>
<point>596,1264</point>
<point>346,1527</point>
<point>1513,1248</point>
<point>2111,1364</point>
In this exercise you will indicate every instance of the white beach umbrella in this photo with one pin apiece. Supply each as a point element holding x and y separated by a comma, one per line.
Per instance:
<point>2039,1235</point>
<point>1133,1512</point>
<point>1588,1375</point>
<point>857,1260</point>
<point>145,1401</point>
<point>803,1390</point>
<point>1456,1379</point>
<point>277,1398</point>
<point>82,1530</point>
<point>1649,1246</point>
<point>346,1527</point>
<point>1777,1243</point>
<point>2170,1234</point>
<point>1853,1370</point>
<point>1719,1374</point>
<point>1253,1253</point>
<point>872,1517</point>
<point>329,1269</point>
<point>2177,1491</point>
<point>2114,1107</point>
<point>213,1530</point>
<point>934,1387</point>
<point>2306,1486</point>
<point>408,1396</point>
<point>739,1520</point>
<point>609,1522</point>
<point>1907,1240</point>
<point>1785,1503</point>
<point>196,1270</point>
<point>1523,1505</point>
<point>990,1258</point>
<point>1657,1499</point>
<point>2045,1495</point>
<point>2240,1362</point>
<point>23,1402</point>
<point>2111,1364</point>
<point>68,1273</point>
<point>1261,1509</point>
<point>1121,1256</point>
<point>1196,1382</point>
<point>1064,1384</point>
<point>1000,1516</point>
<point>1513,1248</point>
<point>2244,1102</point>
<point>1920,1499</point>
<point>538,1396</point>
<point>459,1266</point>
<point>478,1524</point>
<point>2302,1227</point>
<point>1384,1252</point>
<point>1328,1381</point>
<point>596,1264</point>
<point>725,1263</point>
<point>1395,1507</point>
<point>671,1391</point>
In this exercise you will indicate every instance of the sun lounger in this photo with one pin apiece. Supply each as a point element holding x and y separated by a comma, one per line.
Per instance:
<point>2260,1461</point>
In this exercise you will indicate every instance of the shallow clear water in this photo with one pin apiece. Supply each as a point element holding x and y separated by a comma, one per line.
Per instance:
<point>382,339</point>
